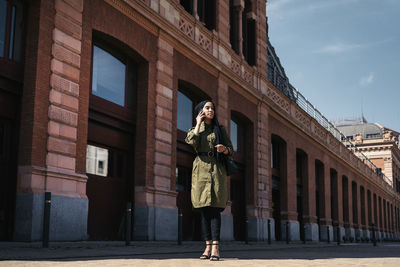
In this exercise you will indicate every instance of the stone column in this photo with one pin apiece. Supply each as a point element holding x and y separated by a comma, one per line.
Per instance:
<point>364,210</point>
<point>325,205</point>
<point>369,212</point>
<point>195,13</point>
<point>380,216</point>
<point>224,119</point>
<point>375,219</point>
<point>261,36</point>
<point>338,210</point>
<point>258,224</point>
<point>384,218</point>
<point>357,204</point>
<point>346,203</point>
<point>288,196</point>
<point>156,213</point>
<point>309,210</point>
<point>60,28</point>
<point>223,21</point>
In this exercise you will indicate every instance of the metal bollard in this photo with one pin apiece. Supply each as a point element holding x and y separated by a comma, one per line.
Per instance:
<point>46,219</point>
<point>269,231</point>
<point>287,232</point>
<point>180,217</point>
<point>128,216</point>
<point>329,238</point>
<point>338,235</point>
<point>373,235</point>
<point>304,234</point>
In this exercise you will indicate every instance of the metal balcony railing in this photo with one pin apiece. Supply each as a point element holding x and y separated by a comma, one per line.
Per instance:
<point>324,122</point>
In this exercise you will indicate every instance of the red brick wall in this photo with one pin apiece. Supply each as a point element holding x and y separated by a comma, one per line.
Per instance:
<point>35,99</point>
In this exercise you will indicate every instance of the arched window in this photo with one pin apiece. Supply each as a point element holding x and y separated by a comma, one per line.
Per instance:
<point>108,76</point>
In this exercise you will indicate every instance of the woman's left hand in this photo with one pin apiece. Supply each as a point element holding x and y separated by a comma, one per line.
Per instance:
<point>222,149</point>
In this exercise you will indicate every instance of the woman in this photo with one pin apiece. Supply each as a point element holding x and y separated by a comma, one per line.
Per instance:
<point>209,187</point>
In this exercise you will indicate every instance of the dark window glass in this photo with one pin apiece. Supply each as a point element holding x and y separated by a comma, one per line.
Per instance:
<point>3,17</point>
<point>2,152</point>
<point>275,161</point>
<point>108,77</point>
<point>185,112</point>
<point>12,32</point>
<point>206,10</point>
<point>234,135</point>
<point>17,25</point>
<point>187,5</point>
<point>233,27</point>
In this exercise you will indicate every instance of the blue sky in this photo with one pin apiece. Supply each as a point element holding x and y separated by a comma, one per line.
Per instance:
<point>343,55</point>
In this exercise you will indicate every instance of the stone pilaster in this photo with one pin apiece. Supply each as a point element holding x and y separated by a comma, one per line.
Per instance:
<point>288,201</point>
<point>261,35</point>
<point>224,119</point>
<point>222,106</point>
<point>309,208</point>
<point>59,174</point>
<point>259,223</point>
<point>223,21</point>
<point>155,212</point>
<point>239,6</point>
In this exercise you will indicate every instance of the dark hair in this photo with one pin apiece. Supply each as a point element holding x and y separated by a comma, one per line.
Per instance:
<point>214,123</point>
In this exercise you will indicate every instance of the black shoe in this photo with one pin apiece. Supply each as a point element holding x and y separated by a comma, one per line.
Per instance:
<point>214,257</point>
<point>205,256</point>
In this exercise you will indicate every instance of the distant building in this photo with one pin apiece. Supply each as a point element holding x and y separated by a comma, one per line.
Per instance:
<point>379,143</point>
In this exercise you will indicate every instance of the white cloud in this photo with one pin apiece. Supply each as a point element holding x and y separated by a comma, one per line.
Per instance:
<point>337,48</point>
<point>367,79</point>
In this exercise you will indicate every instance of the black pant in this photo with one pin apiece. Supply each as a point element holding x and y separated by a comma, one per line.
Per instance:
<point>211,223</point>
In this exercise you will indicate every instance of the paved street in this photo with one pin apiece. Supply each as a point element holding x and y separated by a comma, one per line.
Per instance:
<point>168,254</point>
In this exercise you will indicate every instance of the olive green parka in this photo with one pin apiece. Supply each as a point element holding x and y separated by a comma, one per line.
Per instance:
<point>209,184</point>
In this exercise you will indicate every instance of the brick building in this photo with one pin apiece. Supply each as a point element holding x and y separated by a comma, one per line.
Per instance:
<point>380,144</point>
<point>95,100</point>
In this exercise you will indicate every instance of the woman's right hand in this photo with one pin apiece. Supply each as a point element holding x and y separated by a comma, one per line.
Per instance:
<point>200,117</point>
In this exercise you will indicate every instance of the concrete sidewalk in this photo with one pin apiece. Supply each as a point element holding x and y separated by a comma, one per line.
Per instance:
<point>92,249</point>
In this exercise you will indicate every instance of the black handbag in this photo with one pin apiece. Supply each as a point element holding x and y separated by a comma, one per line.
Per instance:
<point>229,163</point>
<point>230,166</point>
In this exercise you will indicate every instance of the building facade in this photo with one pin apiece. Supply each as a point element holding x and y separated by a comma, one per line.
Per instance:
<point>97,96</point>
<point>380,144</point>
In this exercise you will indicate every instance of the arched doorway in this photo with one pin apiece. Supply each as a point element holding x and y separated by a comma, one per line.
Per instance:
<point>334,202</point>
<point>354,198</point>
<point>116,73</point>
<point>278,167</point>
<point>319,196</point>
<point>240,182</point>
<point>9,125</point>
<point>12,57</point>
<point>301,176</point>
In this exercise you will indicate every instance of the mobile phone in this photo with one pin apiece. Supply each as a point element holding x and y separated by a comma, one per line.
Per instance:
<point>202,117</point>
